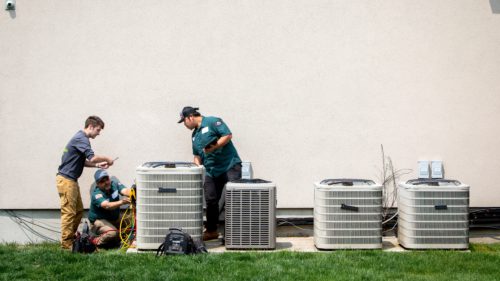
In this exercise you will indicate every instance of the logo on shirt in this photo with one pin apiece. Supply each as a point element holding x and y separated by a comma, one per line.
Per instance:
<point>218,123</point>
<point>97,196</point>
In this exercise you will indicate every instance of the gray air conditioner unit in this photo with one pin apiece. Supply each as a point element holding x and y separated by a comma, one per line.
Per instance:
<point>250,214</point>
<point>169,194</point>
<point>433,214</point>
<point>347,214</point>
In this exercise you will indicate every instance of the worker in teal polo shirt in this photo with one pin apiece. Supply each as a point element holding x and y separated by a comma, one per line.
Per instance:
<point>104,213</point>
<point>212,147</point>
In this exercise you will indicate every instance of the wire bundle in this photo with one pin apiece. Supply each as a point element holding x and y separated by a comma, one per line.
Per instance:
<point>485,217</point>
<point>29,226</point>
<point>128,224</point>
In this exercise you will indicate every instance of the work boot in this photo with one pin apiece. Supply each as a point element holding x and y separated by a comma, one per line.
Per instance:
<point>210,235</point>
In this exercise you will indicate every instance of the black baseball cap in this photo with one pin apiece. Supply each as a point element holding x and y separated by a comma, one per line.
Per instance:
<point>186,111</point>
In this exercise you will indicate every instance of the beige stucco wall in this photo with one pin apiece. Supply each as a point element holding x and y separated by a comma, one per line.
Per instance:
<point>310,89</point>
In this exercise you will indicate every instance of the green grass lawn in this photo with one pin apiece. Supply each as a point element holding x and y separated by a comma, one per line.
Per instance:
<point>48,262</point>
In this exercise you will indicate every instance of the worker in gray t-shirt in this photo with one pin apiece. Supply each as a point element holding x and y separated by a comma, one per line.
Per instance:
<point>76,155</point>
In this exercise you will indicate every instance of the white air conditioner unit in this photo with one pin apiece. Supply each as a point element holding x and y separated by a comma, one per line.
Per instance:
<point>246,173</point>
<point>347,214</point>
<point>250,214</point>
<point>433,214</point>
<point>169,194</point>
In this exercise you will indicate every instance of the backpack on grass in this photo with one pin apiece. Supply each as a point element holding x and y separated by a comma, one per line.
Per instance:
<point>178,242</point>
<point>83,241</point>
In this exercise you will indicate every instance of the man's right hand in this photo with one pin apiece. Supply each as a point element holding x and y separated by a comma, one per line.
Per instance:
<point>103,165</point>
<point>125,200</point>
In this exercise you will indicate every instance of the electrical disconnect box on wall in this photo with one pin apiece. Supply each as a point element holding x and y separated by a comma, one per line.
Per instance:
<point>246,170</point>
<point>437,170</point>
<point>423,170</point>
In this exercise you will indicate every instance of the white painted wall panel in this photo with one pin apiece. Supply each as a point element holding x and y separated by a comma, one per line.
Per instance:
<point>310,89</point>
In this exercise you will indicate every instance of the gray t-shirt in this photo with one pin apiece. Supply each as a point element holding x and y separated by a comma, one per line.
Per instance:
<point>73,158</point>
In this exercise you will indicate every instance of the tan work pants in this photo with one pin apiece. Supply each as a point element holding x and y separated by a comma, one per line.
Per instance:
<point>107,231</point>
<point>71,209</point>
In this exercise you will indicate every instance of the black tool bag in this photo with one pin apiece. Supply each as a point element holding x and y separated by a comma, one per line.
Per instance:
<point>178,242</point>
<point>83,241</point>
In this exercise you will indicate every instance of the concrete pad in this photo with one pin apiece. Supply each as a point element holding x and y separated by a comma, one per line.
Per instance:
<point>300,244</point>
<point>301,240</point>
<point>390,244</point>
<point>484,236</point>
<point>295,244</point>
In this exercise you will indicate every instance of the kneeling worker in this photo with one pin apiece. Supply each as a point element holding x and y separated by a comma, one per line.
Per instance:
<point>104,213</point>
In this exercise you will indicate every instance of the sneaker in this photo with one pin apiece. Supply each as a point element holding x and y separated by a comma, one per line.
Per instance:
<point>210,235</point>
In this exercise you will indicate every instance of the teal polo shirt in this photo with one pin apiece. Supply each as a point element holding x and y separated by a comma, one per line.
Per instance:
<point>220,160</point>
<point>96,212</point>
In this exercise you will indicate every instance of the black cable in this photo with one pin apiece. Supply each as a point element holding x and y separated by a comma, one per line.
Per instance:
<point>21,227</point>
<point>40,226</point>
<point>39,234</point>
<point>484,226</point>
<point>23,224</point>
<point>51,230</point>
<point>49,227</point>
<point>281,222</point>
<point>27,217</point>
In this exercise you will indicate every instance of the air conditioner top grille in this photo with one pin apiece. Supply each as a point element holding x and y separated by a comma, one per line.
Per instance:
<point>250,181</point>
<point>347,182</point>
<point>166,164</point>
<point>434,185</point>
<point>347,185</point>
<point>250,184</point>
<point>434,182</point>
<point>164,167</point>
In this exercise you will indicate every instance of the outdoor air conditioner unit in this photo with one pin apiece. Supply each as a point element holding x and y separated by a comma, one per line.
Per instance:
<point>169,194</point>
<point>250,214</point>
<point>433,214</point>
<point>246,173</point>
<point>347,214</point>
